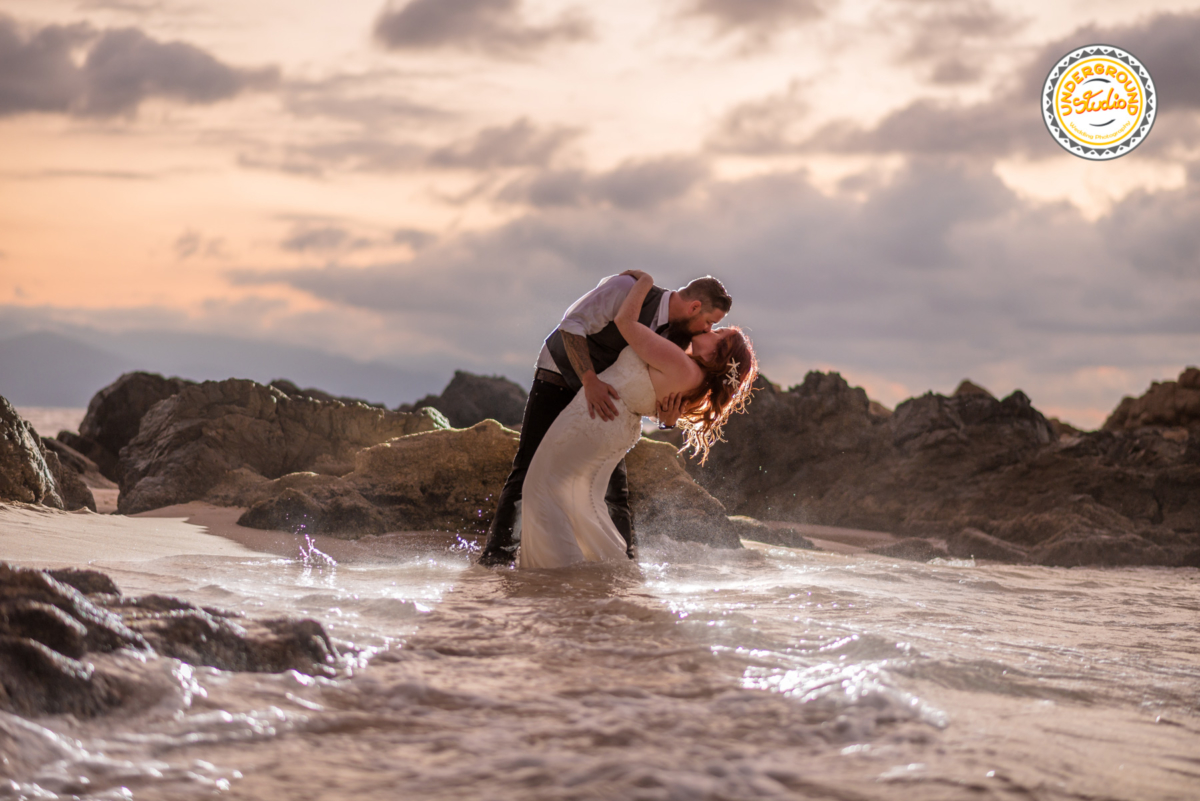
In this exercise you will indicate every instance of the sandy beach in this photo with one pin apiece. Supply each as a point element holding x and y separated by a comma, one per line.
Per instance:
<point>41,537</point>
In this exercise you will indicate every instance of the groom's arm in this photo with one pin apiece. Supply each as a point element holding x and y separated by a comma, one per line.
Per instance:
<point>588,315</point>
<point>597,308</point>
<point>599,394</point>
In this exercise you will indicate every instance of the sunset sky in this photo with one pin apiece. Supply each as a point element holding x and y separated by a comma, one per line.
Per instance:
<point>429,184</point>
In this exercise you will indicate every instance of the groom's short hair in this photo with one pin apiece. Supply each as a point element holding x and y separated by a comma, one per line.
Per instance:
<point>710,292</point>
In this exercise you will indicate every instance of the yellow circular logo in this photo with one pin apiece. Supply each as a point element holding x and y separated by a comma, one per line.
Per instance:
<point>1099,102</point>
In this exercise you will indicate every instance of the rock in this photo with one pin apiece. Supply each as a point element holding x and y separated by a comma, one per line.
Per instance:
<point>75,461</point>
<point>666,501</point>
<point>914,549</point>
<point>340,512</point>
<point>449,480</point>
<point>446,480</point>
<point>1169,403</point>
<point>969,387</point>
<point>1063,429</point>
<point>115,414</point>
<point>188,444</point>
<point>88,582</point>
<point>935,420</point>
<point>210,637</point>
<point>290,388</point>
<point>790,439</point>
<point>748,528</point>
<point>877,410</point>
<point>469,399</point>
<point>37,680</point>
<point>938,465</point>
<point>966,386</point>
<point>46,628</point>
<point>26,473</point>
<point>57,646</point>
<point>971,543</point>
<point>1083,546</point>
<point>74,492</point>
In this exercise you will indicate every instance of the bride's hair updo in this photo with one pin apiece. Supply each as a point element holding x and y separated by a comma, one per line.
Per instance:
<point>728,380</point>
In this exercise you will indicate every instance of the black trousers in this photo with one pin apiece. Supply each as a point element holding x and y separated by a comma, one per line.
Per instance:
<point>546,402</point>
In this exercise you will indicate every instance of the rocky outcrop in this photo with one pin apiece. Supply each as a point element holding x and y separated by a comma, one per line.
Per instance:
<point>312,393</point>
<point>469,399</point>
<point>190,443</point>
<point>449,481</point>
<point>28,473</point>
<point>446,480</point>
<point>1166,403</point>
<point>805,437</point>
<point>939,465</point>
<point>666,501</point>
<point>57,643</point>
<point>114,415</point>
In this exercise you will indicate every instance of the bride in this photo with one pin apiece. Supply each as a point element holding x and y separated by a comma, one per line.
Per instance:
<point>564,518</point>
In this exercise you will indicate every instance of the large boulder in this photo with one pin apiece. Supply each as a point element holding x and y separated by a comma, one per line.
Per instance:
<point>446,480</point>
<point>938,465</point>
<point>1166,403</point>
<point>115,414</point>
<point>59,631</point>
<point>188,444</point>
<point>668,502</point>
<point>32,472</point>
<point>27,472</point>
<point>469,399</point>
<point>449,480</point>
<point>795,441</point>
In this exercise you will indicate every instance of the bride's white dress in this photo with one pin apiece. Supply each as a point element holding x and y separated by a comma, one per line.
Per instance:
<point>564,518</point>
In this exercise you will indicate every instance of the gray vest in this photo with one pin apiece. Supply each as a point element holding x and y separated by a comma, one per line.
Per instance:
<point>604,346</point>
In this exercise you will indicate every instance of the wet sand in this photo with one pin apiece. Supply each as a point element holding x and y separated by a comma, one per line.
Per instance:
<point>38,536</point>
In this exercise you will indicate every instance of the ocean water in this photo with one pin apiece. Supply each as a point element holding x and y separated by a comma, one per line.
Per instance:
<point>695,674</point>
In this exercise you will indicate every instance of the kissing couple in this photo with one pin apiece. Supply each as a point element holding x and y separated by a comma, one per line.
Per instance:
<point>635,350</point>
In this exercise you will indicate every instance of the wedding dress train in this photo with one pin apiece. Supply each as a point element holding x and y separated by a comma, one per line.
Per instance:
<point>564,518</point>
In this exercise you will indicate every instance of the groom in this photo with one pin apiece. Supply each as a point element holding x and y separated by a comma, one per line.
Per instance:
<point>585,343</point>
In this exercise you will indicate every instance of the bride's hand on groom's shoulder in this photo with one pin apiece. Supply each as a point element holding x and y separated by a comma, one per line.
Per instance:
<point>638,275</point>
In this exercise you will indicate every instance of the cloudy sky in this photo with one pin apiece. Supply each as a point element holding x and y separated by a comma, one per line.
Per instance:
<point>430,183</point>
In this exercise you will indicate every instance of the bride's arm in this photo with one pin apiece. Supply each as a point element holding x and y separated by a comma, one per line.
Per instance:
<point>656,351</point>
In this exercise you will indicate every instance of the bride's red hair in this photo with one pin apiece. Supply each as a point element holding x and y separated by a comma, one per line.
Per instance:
<point>728,380</point>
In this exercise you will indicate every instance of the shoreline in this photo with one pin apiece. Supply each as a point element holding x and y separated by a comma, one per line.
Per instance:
<point>40,537</point>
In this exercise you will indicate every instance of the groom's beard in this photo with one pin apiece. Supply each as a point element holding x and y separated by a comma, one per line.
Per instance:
<point>678,333</point>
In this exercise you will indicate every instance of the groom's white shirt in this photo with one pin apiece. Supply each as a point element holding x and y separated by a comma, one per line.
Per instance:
<point>598,308</point>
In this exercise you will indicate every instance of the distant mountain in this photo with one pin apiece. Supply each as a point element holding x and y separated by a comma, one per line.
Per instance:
<point>48,369</point>
<point>52,369</point>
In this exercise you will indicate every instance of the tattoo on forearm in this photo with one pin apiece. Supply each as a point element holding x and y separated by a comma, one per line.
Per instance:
<point>577,353</point>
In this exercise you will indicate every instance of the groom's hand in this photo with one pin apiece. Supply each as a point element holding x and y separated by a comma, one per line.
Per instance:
<point>600,397</point>
<point>669,409</point>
